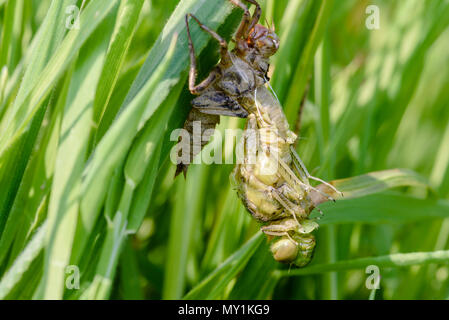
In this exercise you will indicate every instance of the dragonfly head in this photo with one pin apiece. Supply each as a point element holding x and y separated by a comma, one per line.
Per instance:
<point>264,40</point>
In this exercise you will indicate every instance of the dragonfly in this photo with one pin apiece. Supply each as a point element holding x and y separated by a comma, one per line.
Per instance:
<point>271,179</point>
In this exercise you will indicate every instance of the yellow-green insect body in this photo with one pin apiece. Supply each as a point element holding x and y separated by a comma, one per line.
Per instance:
<point>270,178</point>
<point>264,185</point>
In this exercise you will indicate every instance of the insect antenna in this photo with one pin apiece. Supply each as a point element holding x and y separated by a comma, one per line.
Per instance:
<point>268,24</point>
<point>298,162</point>
<point>273,92</point>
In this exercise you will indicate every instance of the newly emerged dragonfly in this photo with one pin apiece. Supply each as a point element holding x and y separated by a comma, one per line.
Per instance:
<point>271,180</point>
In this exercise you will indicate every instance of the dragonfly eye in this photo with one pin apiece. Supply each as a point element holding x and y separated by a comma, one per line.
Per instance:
<point>268,45</point>
<point>276,43</point>
<point>274,39</point>
<point>264,39</point>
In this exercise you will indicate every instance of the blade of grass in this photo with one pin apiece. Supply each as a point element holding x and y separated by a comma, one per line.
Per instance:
<point>322,96</point>
<point>116,141</point>
<point>128,15</point>
<point>143,163</point>
<point>294,30</point>
<point>410,76</point>
<point>214,284</point>
<point>111,151</point>
<point>48,38</point>
<point>260,266</point>
<point>32,197</point>
<point>14,160</point>
<point>395,260</point>
<point>15,45</point>
<point>440,172</point>
<point>8,34</point>
<point>370,183</point>
<point>140,156</point>
<point>23,261</point>
<point>212,14</point>
<point>30,203</point>
<point>27,103</point>
<point>301,75</point>
<point>382,209</point>
<point>145,151</point>
<point>71,157</point>
<point>129,274</point>
<point>181,228</point>
<point>118,96</point>
<point>3,80</point>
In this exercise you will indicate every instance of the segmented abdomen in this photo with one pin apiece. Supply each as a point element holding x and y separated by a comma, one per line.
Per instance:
<point>204,125</point>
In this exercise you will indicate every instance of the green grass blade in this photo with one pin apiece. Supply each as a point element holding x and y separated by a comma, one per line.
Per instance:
<point>145,151</point>
<point>129,274</point>
<point>8,40</point>
<point>440,172</point>
<point>13,160</point>
<point>181,228</point>
<point>293,34</point>
<point>212,14</point>
<point>47,40</point>
<point>128,15</point>
<point>383,208</point>
<point>142,165</point>
<point>395,260</point>
<point>121,89</point>
<point>301,75</point>
<point>32,197</point>
<point>71,157</point>
<point>370,183</point>
<point>40,87</point>
<point>20,266</point>
<point>112,149</point>
<point>260,266</point>
<point>214,284</point>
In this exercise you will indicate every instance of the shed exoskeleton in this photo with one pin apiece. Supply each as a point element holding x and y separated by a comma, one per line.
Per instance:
<point>270,179</point>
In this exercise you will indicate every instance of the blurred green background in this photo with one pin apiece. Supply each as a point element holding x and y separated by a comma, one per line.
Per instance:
<point>87,194</point>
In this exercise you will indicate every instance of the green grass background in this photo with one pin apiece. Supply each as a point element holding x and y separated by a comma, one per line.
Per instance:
<point>86,180</point>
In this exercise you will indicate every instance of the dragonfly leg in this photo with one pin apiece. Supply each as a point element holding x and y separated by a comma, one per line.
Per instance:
<point>292,208</point>
<point>302,170</point>
<point>280,227</point>
<point>256,16</point>
<point>248,22</point>
<point>269,232</point>
<point>198,89</point>
<point>212,33</point>
<point>291,178</point>
<point>223,44</point>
